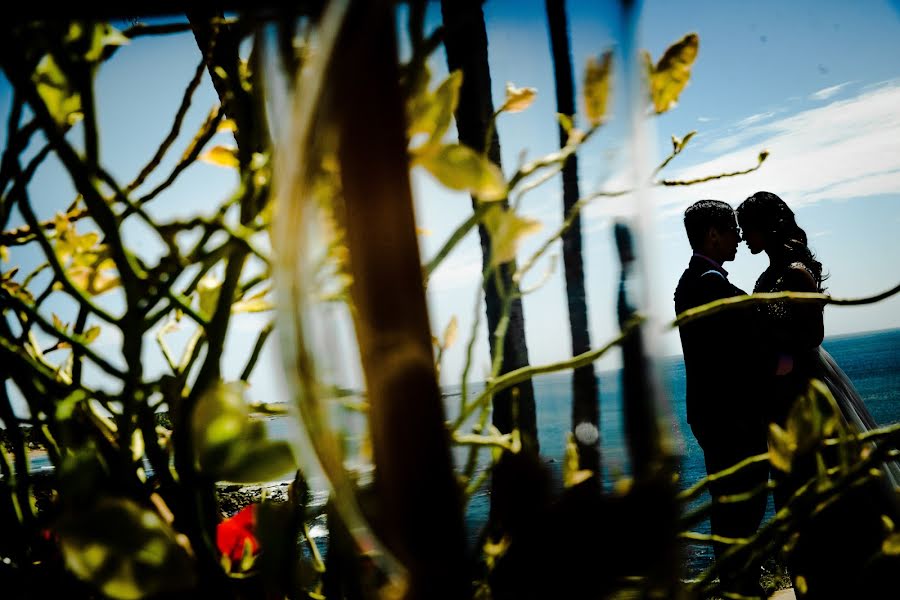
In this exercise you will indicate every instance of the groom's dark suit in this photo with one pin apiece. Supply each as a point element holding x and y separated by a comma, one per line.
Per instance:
<point>723,407</point>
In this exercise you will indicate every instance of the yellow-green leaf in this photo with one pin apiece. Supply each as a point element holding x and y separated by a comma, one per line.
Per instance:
<point>124,550</point>
<point>450,332</point>
<point>432,114</point>
<point>596,87</point>
<point>572,475</point>
<point>62,100</point>
<point>782,446</point>
<point>226,125</point>
<point>57,322</point>
<point>518,99</point>
<point>221,156</point>
<point>507,230</point>
<point>4,254</point>
<point>460,168</point>
<point>565,121</point>
<point>91,334</point>
<point>678,144</point>
<point>231,446</point>
<point>251,305</point>
<point>891,545</point>
<point>208,291</point>
<point>672,73</point>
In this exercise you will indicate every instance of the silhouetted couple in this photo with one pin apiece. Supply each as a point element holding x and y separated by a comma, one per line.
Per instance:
<point>746,368</point>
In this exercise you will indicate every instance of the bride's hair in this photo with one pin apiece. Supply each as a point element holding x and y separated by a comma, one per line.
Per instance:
<point>769,214</point>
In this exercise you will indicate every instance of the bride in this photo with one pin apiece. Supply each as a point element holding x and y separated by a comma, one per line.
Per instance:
<point>845,538</point>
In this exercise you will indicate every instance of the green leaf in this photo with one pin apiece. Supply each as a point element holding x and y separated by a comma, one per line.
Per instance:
<point>253,305</point>
<point>450,333</point>
<point>221,156</point>
<point>596,87</point>
<point>91,334</point>
<point>678,144</point>
<point>62,100</point>
<point>507,230</point>
<point>208,291</point>
<point>782,446</point>
<point>432,114</point>
<point>891,545</point>
<point>565,121</point>
<point>231,446</point>
<point>518,99</point>
<point>572,475</point>
<point>672,73</point>
<point>460,168</point>
<point>4,254</point>
<point>124,550</point>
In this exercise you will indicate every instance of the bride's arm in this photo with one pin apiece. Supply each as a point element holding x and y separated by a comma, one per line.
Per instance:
<point>805,328</point>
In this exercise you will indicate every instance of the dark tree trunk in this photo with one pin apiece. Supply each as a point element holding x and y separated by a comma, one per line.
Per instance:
<point>419,502</point>
<point>585,389</point>
<point>466,45</point>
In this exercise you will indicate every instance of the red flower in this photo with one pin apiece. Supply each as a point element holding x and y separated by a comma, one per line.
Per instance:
<point>232,533</point>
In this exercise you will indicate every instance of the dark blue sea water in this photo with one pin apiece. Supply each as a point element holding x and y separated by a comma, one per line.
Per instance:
<point>871,360</point>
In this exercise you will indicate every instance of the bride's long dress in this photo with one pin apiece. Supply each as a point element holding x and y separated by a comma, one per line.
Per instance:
<point>797,330</point>
<point>838,551</point>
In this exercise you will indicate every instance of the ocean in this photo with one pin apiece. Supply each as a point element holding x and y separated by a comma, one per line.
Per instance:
<point>871,360</point>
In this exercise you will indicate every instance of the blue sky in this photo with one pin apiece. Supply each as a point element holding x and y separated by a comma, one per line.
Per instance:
<point>815,83</point>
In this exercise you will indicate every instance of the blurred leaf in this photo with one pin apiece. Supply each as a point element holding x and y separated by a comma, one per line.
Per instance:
<point>782,446</point>
<point>572,475</point>
<point>671,74</point>
<point>450,332</point>
<point>518,99</point>
<point>57,322</point>
<point>91,334</point>
<point>101,36</point>
<point>231,446</point>
<point>4,254</point>
<point>226,125</point>
<point>507,230</point>
<point>596,87</point>
<point>252,305</point>
<point>124,549</point>
<point>66,406</point>
<point>460,168</point>
<point>678,144</point>
<point>565,121</point>
<point>891,545</point>
<point>432,114</point>
<point>208,292</point>
<point>221,156</point>
<point>62,100</point>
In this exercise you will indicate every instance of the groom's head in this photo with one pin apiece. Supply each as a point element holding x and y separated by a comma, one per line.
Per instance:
<point>712,229</point>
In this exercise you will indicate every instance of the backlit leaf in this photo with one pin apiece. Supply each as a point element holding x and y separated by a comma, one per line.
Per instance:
<point>460,168</point>
<point>572,475</point>
<point>450,332</point>
<point>507,230</point>
<point>518,99</point>
<point>124,549</point>
<point>432,113</point>
<point>782,446</point>
<point>226,125</point>
<point>673,71</point>
<point>91,334</point>
<point>57,322</point>
<point>891,545</point>
<point>61,98</point>
<point>221,156</point>
<point>4,254</point>
<point>208,291</point>
<point>229,445</point>
<point>565,121</point>
<point>252,305</point>
<point>596,87</point>
<point>678,144</point>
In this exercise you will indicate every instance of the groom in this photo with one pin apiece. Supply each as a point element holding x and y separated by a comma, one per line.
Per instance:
<point>720,368</point>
